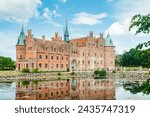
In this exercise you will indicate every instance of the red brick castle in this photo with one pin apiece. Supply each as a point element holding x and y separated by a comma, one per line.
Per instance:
<point>59,54</point>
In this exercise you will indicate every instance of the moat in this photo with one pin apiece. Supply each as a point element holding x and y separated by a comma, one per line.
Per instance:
<point>75,89</point>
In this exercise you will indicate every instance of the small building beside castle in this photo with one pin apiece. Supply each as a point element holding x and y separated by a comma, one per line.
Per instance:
<point>59,54</point>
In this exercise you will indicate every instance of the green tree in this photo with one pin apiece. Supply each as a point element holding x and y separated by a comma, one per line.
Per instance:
<point>142,23</point>
<point>7,63</point>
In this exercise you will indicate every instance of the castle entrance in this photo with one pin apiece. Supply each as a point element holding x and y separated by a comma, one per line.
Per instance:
<point>74,65</point>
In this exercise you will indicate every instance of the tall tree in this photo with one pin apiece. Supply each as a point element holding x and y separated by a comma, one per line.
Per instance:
<point>142,23</point>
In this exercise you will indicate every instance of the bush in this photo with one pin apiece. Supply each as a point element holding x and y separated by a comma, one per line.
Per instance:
<point>59,74</point>
<point>25,83</point>
<point>68,69</point>
<point>100,74</point>
<point>36,70</point>
<point>149,73</point>
<point>26,70</point>
<point>113,71</point>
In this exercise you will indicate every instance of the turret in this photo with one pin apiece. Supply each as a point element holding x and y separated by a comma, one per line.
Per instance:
<point>66,33</point>
<point>21,38</point>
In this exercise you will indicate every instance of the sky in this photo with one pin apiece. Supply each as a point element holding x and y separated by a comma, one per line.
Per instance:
<point>45,17</point>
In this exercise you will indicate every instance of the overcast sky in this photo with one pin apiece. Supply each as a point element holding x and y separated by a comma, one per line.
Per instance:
<point>45,17</point>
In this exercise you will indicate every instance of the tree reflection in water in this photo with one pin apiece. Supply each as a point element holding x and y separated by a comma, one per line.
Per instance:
<point>137,87</point>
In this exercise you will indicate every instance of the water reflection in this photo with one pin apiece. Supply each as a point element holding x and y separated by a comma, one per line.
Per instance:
<point>137,87</point>
<point>71,89</point>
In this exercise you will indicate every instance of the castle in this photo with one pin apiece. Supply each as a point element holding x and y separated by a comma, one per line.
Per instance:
<point>82,54</point>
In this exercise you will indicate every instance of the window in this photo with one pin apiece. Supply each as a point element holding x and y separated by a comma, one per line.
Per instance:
<point>46,57</point>
<point>32,65</point>
<point>57,58</point>
<point>83,62</point>
<point>56,65</point>
<point>62,58</point>
<point>54,49</point>
<point>40,56</point>
<point>95,54</point>
<point>66,58</point>
<point>62,66</point>
<point>88,83</point>
<point>46,95</point>
<point>27,66</point>
<point>89,54</point>
<point>94,62</point>
<point>61,84</point>
<point>46,65</point>
<point>21,56</point>
<point>51,66</point>
<point>88,62</point>
<point>57,93</point>
<point>40,95</point>
<point>40,65</point>
<point>101,62</point>
<point>51,93</point>
<point>52,57</point>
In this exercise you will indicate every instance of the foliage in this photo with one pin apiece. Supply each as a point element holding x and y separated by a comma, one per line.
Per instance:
<point>134,58</point>
<point>25,83</point>
<point>113,71</point>
<point>36,82</point>
<point>141,22</point>
<point>26,70</point>
<point>59,78</point>
<point>143,25</point>
<point>36,70</point>
<point>7,63</point>
<point>68,69</point>
<point>136,87</point>
<point>100,74</point>
<point>149,72</point>
<point>59,74</point>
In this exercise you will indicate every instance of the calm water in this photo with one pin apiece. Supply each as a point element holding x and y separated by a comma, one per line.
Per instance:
<point>73,89</point>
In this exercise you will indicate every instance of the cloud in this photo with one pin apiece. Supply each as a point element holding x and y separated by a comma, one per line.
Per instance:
<point>87,18</point>
<point>128,8</point>
<point>119,30</point>
<point>48,17</point>
<point>7,45</point>
<point>19,10</point>
<point>63,1</point>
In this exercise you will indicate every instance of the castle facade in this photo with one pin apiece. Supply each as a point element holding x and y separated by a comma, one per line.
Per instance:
<point>59,54</point>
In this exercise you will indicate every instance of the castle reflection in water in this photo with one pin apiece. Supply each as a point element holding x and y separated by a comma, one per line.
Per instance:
<point>73,89</point>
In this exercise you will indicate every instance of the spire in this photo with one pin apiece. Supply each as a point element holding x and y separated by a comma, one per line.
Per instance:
<point>66,33</point>
<point>108,40</point>
<point>22,37</point>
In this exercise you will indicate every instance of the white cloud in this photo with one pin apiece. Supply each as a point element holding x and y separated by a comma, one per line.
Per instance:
<point>87,18</point>
<point>63,1</point>
<point>19,10</point>
<point>48,16</point>
<point>7,45</point>
<point>129,8</point>
<point>119,30</point>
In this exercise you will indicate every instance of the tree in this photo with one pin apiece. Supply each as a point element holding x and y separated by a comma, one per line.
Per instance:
<point>6,63</point>
<point>142,22</point>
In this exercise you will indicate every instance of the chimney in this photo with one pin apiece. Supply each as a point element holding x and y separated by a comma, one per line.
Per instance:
<point>29,33</point>
<point>91,33</point>
<point>101,35</point>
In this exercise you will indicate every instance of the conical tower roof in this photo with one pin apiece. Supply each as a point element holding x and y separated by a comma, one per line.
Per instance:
<point>22,37</point>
